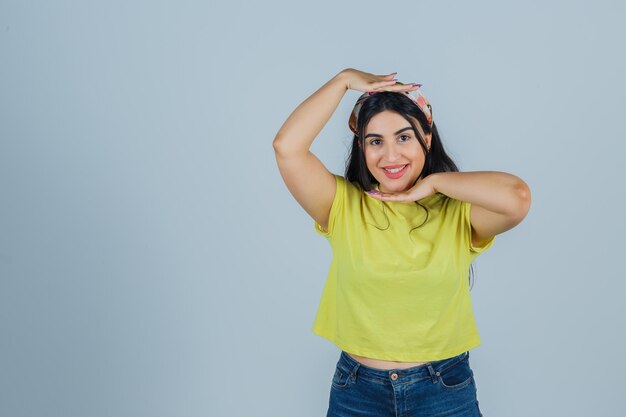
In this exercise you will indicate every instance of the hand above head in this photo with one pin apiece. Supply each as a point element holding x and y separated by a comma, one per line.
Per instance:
<point>366,82</point>
<point>422,189</point>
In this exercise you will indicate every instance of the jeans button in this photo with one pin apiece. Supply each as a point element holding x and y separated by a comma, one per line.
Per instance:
<point>394,376</point>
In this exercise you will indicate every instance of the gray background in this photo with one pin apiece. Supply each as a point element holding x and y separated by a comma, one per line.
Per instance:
<point>153,263</point>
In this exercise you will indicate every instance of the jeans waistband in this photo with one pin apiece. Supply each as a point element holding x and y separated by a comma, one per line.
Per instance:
<point>427,370</point>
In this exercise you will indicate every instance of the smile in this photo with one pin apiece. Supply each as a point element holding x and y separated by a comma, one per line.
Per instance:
<point>395,173</point>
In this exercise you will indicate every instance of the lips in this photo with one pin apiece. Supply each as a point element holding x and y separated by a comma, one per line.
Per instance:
<point>398,172</point>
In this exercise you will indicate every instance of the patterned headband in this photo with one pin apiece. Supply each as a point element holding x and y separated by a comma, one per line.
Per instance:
<point>416,97</point>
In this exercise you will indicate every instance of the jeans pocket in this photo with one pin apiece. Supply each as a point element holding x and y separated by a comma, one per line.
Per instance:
<point>341,379</point>
<point>457,376</point>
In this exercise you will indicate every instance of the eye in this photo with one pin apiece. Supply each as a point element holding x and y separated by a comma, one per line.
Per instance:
<point>405,136</point>
<point>374,140</point>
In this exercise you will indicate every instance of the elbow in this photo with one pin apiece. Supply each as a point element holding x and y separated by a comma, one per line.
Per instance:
<point>281,144</point>
<point>286,147</point>
<point>276,144</point>
<point>523,194</point>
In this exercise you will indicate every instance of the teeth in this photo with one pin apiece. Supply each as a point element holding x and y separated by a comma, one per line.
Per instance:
<point>394,170</point>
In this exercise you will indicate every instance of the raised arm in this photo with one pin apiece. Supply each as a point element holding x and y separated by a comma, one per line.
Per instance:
<point>308,180</point>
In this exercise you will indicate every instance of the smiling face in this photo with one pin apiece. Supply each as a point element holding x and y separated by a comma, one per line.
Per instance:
<point>393,153</point>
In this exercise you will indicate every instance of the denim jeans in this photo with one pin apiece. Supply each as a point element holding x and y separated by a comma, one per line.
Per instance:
<point>440,388</point>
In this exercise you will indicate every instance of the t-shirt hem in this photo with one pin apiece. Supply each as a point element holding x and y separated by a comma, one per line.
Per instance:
<point>401,356</point>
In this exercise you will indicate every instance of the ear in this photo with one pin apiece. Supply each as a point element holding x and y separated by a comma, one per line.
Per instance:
<point>428,139</point>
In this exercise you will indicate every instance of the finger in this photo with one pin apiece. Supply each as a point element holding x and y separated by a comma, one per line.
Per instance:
<point>392,86</point>
<point>400,87</point>
<point>401,197</point>
<point>391,197</point>
<point>396,90</point>
<point>383,85</point>
<point>385,196</point>
<point>386,82</point>
<point>374,194</point>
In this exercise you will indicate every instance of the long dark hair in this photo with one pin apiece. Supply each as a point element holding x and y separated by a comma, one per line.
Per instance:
<point>436,158</point>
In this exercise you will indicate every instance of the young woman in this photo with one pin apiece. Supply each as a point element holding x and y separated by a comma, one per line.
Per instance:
<point>404,226</point>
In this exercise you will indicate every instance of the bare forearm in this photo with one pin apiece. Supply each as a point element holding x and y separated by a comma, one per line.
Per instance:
<point>499,192</point>
<point>304,124</point>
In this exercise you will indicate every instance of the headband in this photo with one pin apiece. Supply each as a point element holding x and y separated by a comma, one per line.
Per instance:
<point>416,97</point>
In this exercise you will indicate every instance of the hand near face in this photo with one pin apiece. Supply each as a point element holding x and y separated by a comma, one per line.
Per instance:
<point>422,188</point>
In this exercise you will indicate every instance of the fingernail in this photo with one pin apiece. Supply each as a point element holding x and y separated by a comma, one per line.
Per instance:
<point>372,192</point>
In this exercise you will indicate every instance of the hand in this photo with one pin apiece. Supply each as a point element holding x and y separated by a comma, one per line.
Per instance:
<point>422,188</point>
<point>366,82</point>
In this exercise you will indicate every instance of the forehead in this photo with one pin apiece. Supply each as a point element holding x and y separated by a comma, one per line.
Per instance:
<point>387,122</point>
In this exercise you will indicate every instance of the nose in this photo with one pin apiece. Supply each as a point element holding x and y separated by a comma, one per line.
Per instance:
<point>392,153</point>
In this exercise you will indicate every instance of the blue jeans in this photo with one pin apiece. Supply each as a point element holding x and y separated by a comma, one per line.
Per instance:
<point>440,388</point>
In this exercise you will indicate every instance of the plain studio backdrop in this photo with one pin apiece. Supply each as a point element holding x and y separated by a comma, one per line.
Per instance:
<point>153,263</point>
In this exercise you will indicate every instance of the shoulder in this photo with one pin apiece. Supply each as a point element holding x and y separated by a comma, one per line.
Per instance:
<point>349,188</point>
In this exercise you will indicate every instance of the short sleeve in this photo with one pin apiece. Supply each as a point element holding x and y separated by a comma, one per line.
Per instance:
<point>338,202</point>
<point>466,206</point>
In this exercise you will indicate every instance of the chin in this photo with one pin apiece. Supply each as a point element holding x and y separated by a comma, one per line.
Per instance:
<point>397,186</point>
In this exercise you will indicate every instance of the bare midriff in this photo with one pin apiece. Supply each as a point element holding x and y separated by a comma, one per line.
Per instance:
<point>386,365</point>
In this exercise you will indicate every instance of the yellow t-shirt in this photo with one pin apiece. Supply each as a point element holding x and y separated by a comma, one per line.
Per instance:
<point>393,293</point>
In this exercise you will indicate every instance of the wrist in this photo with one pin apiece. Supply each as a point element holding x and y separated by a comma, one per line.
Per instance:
<point>433,180</point>
<point>341,80</point>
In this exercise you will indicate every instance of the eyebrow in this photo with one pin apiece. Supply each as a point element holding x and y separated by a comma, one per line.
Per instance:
<point>376,135</point>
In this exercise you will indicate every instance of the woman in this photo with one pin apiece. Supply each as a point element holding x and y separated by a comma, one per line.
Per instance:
<point>404,226</point>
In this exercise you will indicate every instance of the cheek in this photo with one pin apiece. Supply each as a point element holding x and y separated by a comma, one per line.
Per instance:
<point>371,162</point>
<point>418,154</point>
<point>370,158</point>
